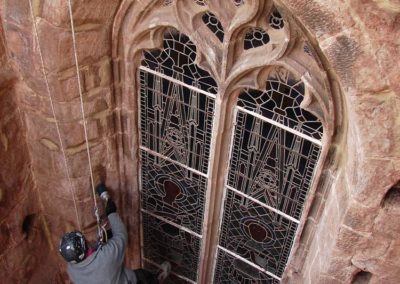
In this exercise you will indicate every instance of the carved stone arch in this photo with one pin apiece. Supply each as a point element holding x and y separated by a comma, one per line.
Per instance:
<point>140,25</point>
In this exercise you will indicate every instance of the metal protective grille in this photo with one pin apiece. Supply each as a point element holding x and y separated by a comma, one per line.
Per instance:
<point>173,192</point>
<point>231,270</point>
<point>256,233</point>
<point>176,112</point>
<point>176,120</point>
<point>164,241</point>
<point>271,165</point>
<point>276,146</point>
<point>281,103</point>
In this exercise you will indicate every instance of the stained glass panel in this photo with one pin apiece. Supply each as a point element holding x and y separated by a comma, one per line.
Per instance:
<point>176,60</point>
<point>281,102</point>
<point>230,270</point>
<point>255,37</point>
<point>176,121</point>
<point>276,20</point>
<point>173,192</point>
<point>214,25</point>
<point>274,153</point>
<point>166,242</point>
<point>171,279</point>
<point>256,233</point>
<point>271,165</point>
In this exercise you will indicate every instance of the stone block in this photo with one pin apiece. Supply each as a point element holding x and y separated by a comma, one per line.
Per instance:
<point>393,252</point>
<point>348,240</point>
<point>64,85</point>
<point>78,161</point>
<point>386,54</point>
<point>319,18</point>
<point>27,206</point>
<point>373,247</point>
<point>71,111</point>
<point>342,52</point>
<point>387,224</point>
<point>12,195</point>
<point>17,12</point>
<point>340,267</point>
<point>370,190</point>
<point>56,44</point>
<point>5,237</point>
<point>325,279</point>
<point>377,112</point>
<point>359,217</point>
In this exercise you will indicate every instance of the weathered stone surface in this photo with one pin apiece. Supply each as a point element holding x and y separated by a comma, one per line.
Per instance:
<point>353,228</point>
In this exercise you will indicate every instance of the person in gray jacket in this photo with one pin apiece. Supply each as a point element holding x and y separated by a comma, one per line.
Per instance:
<point>105,264</point>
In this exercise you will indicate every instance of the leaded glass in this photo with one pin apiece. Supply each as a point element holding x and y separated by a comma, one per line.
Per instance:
<point>276,20</point>
<point>214,25</point>
<point>281,102</point>
<point>166,242</point>
<point>238,3</point>
<point>171,279</point>
<point>255,37</point>
<point>176,60</point>
<point>231,270</point>
<point>256,233</point>
<point>271,165</point>
<point>173,192</point>
<point>176,112</point>
<point>200,2</point>
<point>176,121</point>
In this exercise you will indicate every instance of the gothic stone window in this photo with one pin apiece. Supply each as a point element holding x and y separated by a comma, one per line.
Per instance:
<point>229,141</point>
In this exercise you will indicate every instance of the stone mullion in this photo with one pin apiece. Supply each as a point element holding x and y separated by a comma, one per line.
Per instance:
<point>219,161</point>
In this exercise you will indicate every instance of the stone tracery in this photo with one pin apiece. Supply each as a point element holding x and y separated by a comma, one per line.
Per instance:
<point>231,66</point>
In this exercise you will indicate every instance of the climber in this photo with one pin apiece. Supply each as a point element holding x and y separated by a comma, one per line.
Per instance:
<point>105,264</point>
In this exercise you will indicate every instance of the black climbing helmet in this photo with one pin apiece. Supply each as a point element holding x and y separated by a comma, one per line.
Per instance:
<point>73,247</point>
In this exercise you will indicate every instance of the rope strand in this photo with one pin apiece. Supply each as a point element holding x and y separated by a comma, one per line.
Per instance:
<point>54,116</point>
<point>83,115</point>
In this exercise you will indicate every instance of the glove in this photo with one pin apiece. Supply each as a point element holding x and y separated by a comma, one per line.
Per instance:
<point>102,192</point>
<point>100,188</point>
<point>110,207</point>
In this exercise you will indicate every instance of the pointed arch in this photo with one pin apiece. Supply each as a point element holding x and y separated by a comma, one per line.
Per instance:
<point>141,31</point>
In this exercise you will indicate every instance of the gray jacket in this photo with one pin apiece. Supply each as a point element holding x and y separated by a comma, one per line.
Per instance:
<point>105,265</point>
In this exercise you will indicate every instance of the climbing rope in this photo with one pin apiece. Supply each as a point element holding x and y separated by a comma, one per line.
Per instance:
<point>54,116</point>
<point>96,210</point>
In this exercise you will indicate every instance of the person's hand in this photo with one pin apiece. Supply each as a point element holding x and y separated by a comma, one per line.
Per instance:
<point>100,188</point>
<point>102,192</point>
<point>110,207</point>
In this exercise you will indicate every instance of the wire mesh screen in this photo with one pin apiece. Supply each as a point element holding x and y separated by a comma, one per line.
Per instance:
<point>230,270</point>
<point>256,233</point>
<point>274,153</point>
<point>176,116</point>
<point>173,192</point>
<point>164,241</point>
<point>281,102</point>
<point>176,121</point>
<point>271,165</point>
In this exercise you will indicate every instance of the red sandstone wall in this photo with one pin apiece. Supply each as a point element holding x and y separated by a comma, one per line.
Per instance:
<point>93,22</point>
<point>349,229</point>
<point>23,241</point>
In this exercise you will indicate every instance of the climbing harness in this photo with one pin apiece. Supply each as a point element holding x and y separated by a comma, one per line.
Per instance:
<point>101,225</point>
